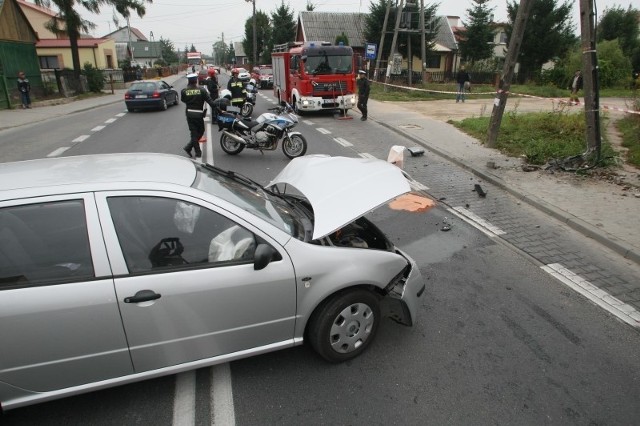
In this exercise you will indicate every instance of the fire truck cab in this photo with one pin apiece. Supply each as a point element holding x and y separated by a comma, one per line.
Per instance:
<point>314,76</point>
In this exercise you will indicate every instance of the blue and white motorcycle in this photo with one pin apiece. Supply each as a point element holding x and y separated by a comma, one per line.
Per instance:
<point>263,133</point>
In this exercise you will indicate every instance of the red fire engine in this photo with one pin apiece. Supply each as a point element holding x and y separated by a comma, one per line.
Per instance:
<point>314,76</point>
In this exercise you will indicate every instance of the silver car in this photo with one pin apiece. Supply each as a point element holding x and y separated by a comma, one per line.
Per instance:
<point>122,267</point>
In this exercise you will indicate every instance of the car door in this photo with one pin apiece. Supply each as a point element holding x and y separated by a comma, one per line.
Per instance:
<point>59,320</point>
<point>186,285</point>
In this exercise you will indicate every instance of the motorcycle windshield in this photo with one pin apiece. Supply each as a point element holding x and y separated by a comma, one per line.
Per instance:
<point>341,189</point>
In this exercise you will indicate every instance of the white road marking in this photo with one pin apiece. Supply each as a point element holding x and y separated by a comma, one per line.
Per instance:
<point>184,402</point>
<point>222,411</point>
<point>58,151</point>
<point>419,186</point>
<point>367,155</point>
<point>122,114</point>
<point>343,142</point>
<point>81,138</point>
<point>323,131</point>
<point>309,122</point>
<point>477,222</point>
<point>208,145</point>
<point>623,311</point>
<point>98,128</point>
<point>111,120</point>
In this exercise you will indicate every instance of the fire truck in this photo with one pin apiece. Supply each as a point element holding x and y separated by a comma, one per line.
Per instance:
<point>314,76</point>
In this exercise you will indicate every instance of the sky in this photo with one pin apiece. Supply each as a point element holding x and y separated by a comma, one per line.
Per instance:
<point>204,22</point>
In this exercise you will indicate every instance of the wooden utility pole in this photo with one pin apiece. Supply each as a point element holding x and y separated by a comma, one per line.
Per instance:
<point>590,78</point>
<point>499,103</point>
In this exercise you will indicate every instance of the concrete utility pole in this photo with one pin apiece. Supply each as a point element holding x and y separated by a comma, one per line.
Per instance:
<point>590,78</point>
<point>500,101</point>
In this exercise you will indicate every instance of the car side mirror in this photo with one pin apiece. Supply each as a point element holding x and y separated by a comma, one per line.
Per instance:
<point>263,255</point>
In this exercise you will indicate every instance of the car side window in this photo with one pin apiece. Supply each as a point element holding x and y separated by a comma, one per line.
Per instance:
<point>164,233</point>
<point>44,243</point>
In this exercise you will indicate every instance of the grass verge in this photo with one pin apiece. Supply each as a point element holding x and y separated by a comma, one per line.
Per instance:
<point>629,126</point>
<point>539,137</point>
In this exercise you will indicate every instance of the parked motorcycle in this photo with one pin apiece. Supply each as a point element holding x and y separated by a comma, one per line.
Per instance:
<point>247,107</point>
<point>263,133</point>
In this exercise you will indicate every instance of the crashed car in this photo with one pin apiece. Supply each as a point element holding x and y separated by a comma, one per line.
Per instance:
<point>116,268</point>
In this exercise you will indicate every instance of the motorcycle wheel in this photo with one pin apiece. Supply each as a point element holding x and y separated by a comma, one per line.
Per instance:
<point>246,110</point>
<point>230,146</point>
<point>294,146</point>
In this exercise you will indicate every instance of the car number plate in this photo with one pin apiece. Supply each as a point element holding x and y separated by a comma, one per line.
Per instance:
<point>141,96</point>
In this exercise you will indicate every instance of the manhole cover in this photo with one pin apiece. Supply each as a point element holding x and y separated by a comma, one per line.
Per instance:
<point>410,126</point>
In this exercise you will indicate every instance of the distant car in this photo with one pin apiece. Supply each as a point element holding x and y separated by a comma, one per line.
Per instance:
<point>150,94</point>
<point>243,74</point>
<point>202,75</point>
<point>116,268</point>
<point>266,76</point>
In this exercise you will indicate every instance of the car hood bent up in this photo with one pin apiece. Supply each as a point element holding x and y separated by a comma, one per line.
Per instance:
<point>341,189</point>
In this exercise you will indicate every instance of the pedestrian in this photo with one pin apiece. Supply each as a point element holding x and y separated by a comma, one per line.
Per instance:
<point>195,97</point>
<point>24,88</point>
<point>363,93</point>
<point>576,85</point>
<point>464,82</point>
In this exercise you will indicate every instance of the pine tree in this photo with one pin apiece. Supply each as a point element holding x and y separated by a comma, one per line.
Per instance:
<point>476,44</point>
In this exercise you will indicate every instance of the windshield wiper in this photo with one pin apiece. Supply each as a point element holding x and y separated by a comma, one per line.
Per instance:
<point>235,176</point>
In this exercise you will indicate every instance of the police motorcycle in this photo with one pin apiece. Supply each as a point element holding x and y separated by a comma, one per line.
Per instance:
<point>247,107</point>
<point>263,133</point>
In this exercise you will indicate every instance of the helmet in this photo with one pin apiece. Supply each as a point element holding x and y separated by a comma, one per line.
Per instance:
<point>192,78</point>
<point>252,81</point>
<point>234,71</point>
<point>225,94</point>
<point>211,72</point>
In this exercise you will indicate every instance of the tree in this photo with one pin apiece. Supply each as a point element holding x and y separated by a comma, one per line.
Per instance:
<point>549,34</point>
<point>283,24</point>
<point>310,6</point>
<point>342,38</point>
<point>74,24</point>
<point>617,23</point>
<point>168,51</point>
<point>192,49</point>
<point>375,20</point>
<point>476,44</point>
<point>263,35</point>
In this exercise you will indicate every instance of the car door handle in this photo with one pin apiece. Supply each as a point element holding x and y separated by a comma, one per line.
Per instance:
<point>142,296</point>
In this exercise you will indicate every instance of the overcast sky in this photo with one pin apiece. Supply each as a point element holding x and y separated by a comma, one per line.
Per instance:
<point>202,22</point>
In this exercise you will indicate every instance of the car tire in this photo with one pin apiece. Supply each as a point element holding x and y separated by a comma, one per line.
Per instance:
<point>344,325</point>
<point>176,102</point>
<point>164,104</point>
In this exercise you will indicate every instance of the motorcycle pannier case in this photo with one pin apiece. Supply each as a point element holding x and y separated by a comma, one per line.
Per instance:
<point>225,121</point>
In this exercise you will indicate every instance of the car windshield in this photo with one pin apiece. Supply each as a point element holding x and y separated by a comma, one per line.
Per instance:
<point>252,198</point>
<point>265,71</point>
<point>328,64</point>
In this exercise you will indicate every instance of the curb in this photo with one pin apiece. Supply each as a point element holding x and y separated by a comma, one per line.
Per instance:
<point>575,223</point>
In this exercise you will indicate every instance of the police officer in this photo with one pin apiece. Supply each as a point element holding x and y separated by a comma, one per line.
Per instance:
<point>195,97</point>
<point>363,93</point>
<point>237,89</point>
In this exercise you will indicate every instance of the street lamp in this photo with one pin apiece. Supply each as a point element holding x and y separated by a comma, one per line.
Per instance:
<point>255,37</point>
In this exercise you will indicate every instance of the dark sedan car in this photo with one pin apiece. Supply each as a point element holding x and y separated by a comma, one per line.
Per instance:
<point>150,94</point>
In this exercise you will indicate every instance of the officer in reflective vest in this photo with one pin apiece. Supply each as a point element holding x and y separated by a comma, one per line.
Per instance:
<point>195,97</point>
<point>237,89</point>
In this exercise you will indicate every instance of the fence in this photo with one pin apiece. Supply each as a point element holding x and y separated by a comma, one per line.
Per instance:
<point>491,78</point>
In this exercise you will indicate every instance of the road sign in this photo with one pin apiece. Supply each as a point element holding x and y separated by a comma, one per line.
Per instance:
<point>370,50</point>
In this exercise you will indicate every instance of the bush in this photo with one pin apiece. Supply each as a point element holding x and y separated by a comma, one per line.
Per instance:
<point>95,78</point>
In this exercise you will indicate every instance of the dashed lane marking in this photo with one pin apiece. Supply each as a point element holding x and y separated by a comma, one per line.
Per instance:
<point>343,142</point>
<point>309,122</point>
<point>323,131</point>
<point>98,128</point>
<point>184,402</point>
<point>223,412</point>
<point>477,222</point>
<point>122,114</point>
<point>367,155</point>
<point>81,138</point>
<point>58,151</point>
<point>111,120</point>
<point>615,306</point>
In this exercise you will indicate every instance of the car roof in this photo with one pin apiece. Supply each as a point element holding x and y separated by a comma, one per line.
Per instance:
<point>88,170</point>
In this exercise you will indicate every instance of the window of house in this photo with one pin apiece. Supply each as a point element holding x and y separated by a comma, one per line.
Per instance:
<point>503,37</point>
<point>49,62</point>
<point>433,61</point>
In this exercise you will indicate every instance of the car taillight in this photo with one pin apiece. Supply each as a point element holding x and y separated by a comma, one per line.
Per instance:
<point>127,96</point>
<point>156,94</point>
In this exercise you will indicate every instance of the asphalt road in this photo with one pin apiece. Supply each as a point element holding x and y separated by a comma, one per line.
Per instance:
<point>498,340</point>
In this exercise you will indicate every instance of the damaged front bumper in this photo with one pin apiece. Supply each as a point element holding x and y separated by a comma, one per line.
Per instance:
<point>403,293</point>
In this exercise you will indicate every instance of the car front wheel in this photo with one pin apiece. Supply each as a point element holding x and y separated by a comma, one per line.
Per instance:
<point>164,105</point>
<point>343,326</point>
